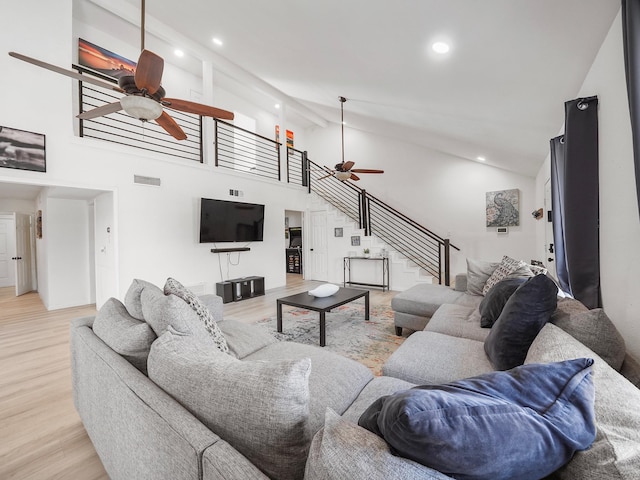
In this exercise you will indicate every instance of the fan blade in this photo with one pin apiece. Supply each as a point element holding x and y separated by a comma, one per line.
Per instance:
<point>347,166</point>
<point>197,108</point>
<point>354,177</point>
<point>170,125</point>
<point>149,72</point>
<point>68,73</point>
<point>366,170</point>
<point>100,111</point>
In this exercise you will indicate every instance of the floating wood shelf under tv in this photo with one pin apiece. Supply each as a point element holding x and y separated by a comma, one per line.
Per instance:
<point>226,250</point>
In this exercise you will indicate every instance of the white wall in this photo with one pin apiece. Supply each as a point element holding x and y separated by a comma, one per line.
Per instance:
<point>18,206</point>
<point>446,194</point>
<point>619,218</point>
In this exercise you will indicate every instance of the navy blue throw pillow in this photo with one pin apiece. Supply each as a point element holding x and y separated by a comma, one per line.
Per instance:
<point>520,321</point>
<point>493,302</point>
<point>524,423</point>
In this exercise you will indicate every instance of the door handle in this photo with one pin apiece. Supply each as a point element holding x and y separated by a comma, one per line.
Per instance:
<point>311,249</point>
<point>549,259</point>
<point>551,248</point>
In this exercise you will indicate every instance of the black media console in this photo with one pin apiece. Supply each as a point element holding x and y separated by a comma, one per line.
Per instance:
<point>240,289</point>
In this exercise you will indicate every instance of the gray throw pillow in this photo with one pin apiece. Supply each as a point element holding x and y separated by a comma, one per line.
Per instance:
<point>344,450</point>
<point>126,335</point>
<point>478,272</point>
<point>174,287</point>
<point>132,299</point>
<point>509,267</point>
<point>162,310</point>
<point>594,329</point>
<point>261,408</point>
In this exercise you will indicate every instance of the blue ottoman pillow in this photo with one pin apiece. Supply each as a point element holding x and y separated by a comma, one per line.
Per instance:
<point>524,423</point>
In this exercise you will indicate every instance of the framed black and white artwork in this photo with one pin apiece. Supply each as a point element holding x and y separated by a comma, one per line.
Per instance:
<point>22,150</point>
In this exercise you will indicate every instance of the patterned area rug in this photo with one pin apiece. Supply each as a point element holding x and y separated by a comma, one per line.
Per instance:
<point>368,342</point>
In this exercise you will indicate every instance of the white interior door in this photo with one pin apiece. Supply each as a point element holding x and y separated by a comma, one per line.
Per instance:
<point>7,251</point>
<point>24,280</point>
<point>549,250</point>
<point>318,259</point>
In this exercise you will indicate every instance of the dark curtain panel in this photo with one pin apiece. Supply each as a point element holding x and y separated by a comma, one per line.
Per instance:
<point>581,200</point>
<point>557,210</point>
<point>631,41</point>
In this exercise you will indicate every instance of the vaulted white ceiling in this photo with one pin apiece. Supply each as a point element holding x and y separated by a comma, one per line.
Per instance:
<point>499,93</point>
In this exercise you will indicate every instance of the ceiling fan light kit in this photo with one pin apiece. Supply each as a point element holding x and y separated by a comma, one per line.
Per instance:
<point>142,108</point>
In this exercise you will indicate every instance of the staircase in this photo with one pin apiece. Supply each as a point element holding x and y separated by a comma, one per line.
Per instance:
<point>381,224</point>
<point>403,272</point>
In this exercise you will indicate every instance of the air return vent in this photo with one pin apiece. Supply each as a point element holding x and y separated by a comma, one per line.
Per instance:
<point>142,180</point>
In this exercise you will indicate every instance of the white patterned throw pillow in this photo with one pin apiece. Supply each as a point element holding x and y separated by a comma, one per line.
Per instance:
<point>507,266</point>
<point>176,288</point>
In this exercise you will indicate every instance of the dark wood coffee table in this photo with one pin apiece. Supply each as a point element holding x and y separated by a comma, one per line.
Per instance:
<point>323,305</point>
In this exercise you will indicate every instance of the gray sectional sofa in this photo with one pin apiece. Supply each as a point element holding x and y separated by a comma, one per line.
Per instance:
<point>159,400</point>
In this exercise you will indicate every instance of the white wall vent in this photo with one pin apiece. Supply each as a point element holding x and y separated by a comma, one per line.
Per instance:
<point>142,180</point>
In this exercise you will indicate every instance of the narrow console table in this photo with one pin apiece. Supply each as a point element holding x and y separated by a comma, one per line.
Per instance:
<point>240,289</point>
<point>385,272</point>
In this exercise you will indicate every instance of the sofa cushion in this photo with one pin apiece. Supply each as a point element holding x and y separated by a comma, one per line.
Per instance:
<point>375,389</point>
<point>478,272</point>
<point>260,408</point>
<point>594,329</point>
<point>343,450</point>
<point>615,454</point>
<point>508,267</point>
<point>126,335</point>
<point>132,299</point>
<point>466,429</point>
<point>174,287</point>
<point>495,299</point>
<point>335,381</point>
<point>458,321</point>
<point>243,339</point>
<point>424,299</point>
<point>522,317</point>
<point>433,358</point>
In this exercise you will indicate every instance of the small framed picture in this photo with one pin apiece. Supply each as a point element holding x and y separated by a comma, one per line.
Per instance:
<point>355,241</point>
<point>337,232</point>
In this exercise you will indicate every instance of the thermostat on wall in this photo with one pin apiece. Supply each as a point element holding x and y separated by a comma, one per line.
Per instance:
<point>502,230</point>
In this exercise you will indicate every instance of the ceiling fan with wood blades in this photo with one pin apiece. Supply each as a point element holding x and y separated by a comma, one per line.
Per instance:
<point>144,98</point>
<point>344,170</point>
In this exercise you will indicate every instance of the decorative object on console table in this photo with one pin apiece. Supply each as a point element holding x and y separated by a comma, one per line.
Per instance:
<point>22,150</point>
<point>240,289</point>
<point>366,252</point>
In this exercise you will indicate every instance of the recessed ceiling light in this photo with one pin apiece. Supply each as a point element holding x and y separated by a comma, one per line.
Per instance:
<point>440,47</point>
<point>481,159</point>
<point>277,105</point>
<point>179,53</point>
<point>217,41</point>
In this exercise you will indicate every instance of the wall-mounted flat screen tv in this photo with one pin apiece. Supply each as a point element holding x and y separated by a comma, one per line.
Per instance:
<point>227,221</point>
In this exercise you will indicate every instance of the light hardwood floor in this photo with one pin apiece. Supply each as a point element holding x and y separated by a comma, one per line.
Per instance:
<point>41,436</point>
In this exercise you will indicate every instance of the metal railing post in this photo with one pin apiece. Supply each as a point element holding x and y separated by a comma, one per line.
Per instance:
<point>447,280</point>
<point>305,169</point>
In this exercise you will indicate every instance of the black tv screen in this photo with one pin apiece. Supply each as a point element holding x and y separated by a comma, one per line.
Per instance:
<point>227,221</point>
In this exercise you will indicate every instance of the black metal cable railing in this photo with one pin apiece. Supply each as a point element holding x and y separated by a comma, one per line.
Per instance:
<point>123,129</point>
<point>296,167</point>
<point>418,244</point>
<point>241,150</point>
